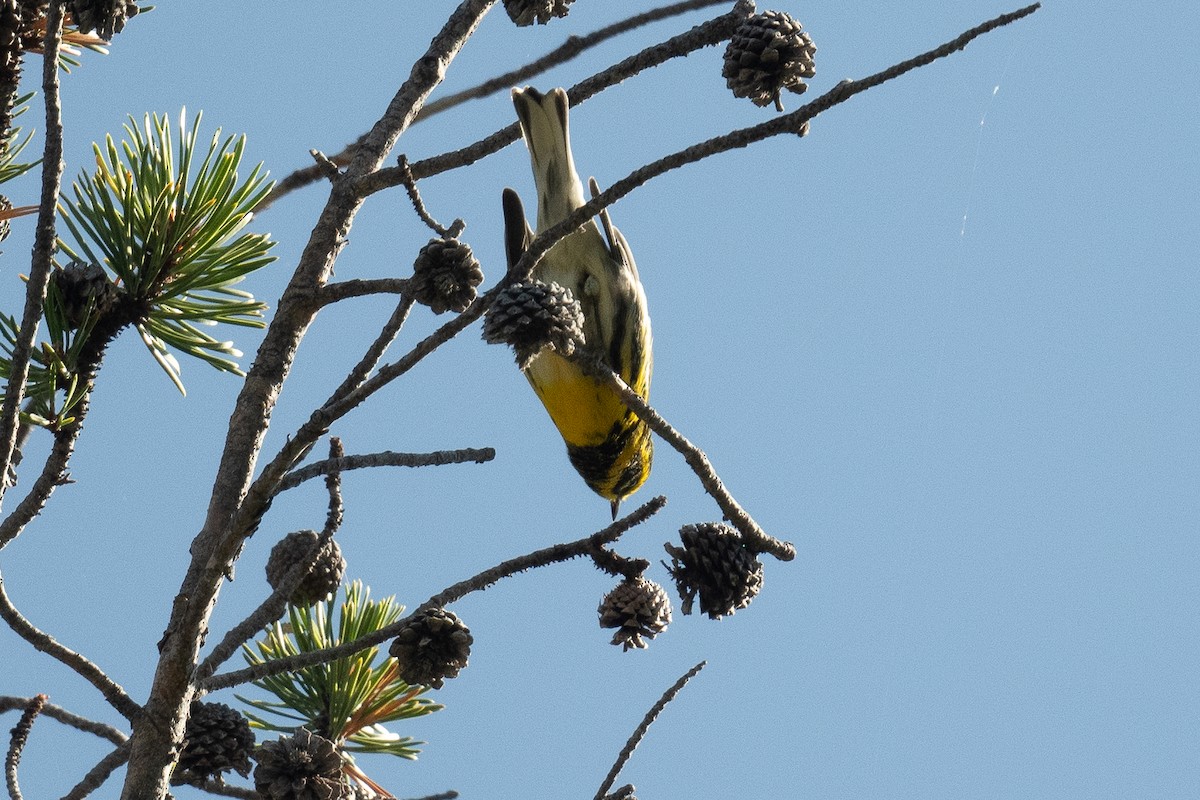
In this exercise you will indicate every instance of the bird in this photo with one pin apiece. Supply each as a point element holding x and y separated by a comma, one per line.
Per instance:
<point>607,444</point>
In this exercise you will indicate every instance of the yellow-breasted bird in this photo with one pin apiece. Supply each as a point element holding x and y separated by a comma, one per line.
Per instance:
<point>607,444</point>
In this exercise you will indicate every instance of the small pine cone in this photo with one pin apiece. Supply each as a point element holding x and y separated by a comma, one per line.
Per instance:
<point>636,608</point>
<point>301,767</point>
<point>445,275</point>
<point>321,581</point>
<point>715,564</point>
<point>532,316</point>
<point>218,739</point>
<point>105,17</point>
<point>527,12</point>
<point>768,52</point>
<point>5,226</point>
<point>81,287</point>
<point>433,646</point>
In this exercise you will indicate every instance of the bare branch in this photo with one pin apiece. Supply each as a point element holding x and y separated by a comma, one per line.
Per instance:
<point>91,673</point>
<point>16,744</point>
<point>385,459</point>
<point>225,790</point>
<point>414,195</point>
<point>447,795</point>
<point>361,287</point>
<point>98,774</point>
<point>8,703</point>
<point>333,484</point>
<point>704,35</point>
<point>267,612</point>
<point>640,732</point>
<point>53,475</point>
<point>572,47</point>
<point>43,246</point>
<point>755,536</point>
<point>539,558</point>
<point>229,519</point>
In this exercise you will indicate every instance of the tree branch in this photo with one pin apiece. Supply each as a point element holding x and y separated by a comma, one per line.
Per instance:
<point>267,612</point>
<point>225,790</point>
<point>640,732</point>
<point>572,47</point>
<point>54,474</point>
<point>569,49</point>
<point>98,774</point>
<point>43,246</point>
<point>45,643</point>
<point>539,558</point>
<point>333,485</point>
<point>158,731</point>
<point>704,35</point>
<point>16,744</point>
<point>8,703</point>
<point>755,537</point>
<point>361,287</point>
<point>384,459</point>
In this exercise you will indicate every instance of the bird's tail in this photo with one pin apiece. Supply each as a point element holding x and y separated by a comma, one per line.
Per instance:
<point>545,126</point>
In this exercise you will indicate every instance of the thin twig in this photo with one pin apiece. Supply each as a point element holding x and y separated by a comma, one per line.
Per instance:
<point>539,558</point>
<point>225,790</point>
<point>640,732</point>
<point>98,774</point>
<point>54,474</point>
<point>16,744</point>
<point>270,610</point>
<point>447,795</point>
<point>104,731</point>
<point>755,537</point>
<point>706,34</point>
<point>43,246</point>
<point>375,352</point>
<point>45,643</point>
<point>385,459</point>
<point>618,565</point>
<point>572,47</point>
<point>414,195</point>
<point>569,49</point>
<point>361,287</point>
<point>326,167</point>
<point>333,484</point>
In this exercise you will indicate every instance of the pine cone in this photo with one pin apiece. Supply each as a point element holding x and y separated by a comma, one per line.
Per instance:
<point>636,608</point>
<point>445,275</point>
<point>532,316</point>
<point>526,12</point>
<point>714,564</point>
<point>80,287</point>
<point>322,580</point>
<point>217,739</point>
<point>433,646</point>
<point>105,17</point>
<point>768,52</point>
<point>300,767</point>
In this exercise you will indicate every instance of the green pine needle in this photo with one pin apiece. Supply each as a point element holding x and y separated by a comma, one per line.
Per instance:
<point>347,699</point>
<point>165,219</point>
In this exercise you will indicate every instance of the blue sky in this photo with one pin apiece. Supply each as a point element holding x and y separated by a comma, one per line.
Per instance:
<point>946,344</point>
